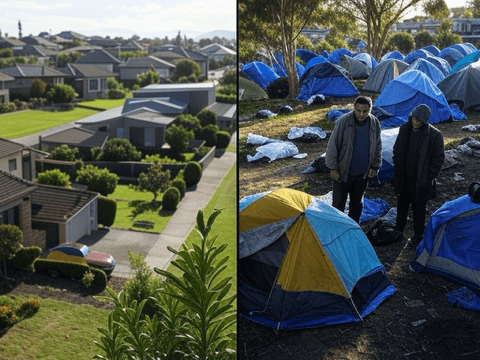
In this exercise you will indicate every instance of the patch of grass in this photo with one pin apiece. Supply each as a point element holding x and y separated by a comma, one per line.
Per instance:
<point>23,123</point>
<point>105,103</point>
<point>135,206</point>
<point>59,330</point>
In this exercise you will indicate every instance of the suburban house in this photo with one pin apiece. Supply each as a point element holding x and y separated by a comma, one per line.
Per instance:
<point>88,81</point>
<point>103,42</point>
<point>10,43</point>
<point>38,40</point>
<point>128,72</point>
<point>39,51</point>
<point>24,76</point>
<point>71,35</point>
<point>4,92</point>
<point>18,159</point>
<point>78,137</point>
<point>131,45</point>
<point>173,54</point>
<point>226,114</point>
<point>100,59</point>
<point>81,49</point>
<point>47,215</point>
<point>217,52</point>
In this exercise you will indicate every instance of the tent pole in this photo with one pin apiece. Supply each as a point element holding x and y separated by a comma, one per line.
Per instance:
<point>355,308</point>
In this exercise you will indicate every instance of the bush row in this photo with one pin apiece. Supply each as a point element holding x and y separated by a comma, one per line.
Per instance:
<point>13,311</point>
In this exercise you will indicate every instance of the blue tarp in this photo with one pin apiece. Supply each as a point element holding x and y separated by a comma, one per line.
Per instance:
<point>463,49</point>
<point>428,68</point>
<point>405,92</point>
<point>396,55</point>
<point>368,59</point>
<point>260,73</point>
<point>278,65</point>
<point>305,55</point>
<point>465,61</point>
<point>336,55</point>
<point>315,60</point>
<point>450,246</point>
<point>432,49</point>
<point>326,79</point>
<point>414,55</point>
<point>450,54</point>
<point>441,63</point>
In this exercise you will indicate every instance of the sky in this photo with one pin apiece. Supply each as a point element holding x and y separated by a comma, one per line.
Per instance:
<point>450,4</point>
<point>145,18</point>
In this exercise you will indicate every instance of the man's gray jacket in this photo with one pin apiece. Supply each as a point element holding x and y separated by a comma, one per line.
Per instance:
<point>340,146</point>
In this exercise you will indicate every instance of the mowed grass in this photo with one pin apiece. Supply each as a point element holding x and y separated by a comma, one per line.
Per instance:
<point>135,205</point>
<point>59,330</point>
<point>104,103</point>
<point>23,123</point>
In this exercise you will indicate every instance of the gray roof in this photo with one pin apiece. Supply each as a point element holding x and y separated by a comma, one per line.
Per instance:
<point>101,116</point>
<point>12,41</point>
<point>4,77</point>
<point>217,49</point>
<point>36,50</point>
<point>163,105</point>
<point>8,147</point>
<point>30,70</point>
<point>85,71</point>
<point>176,87</point>
<point>223,109</point>
<point>147,115</point>
<point>97,57</point>
<point>81,48</point>
<point>148,61</point>
<point>131,45</point>
<point>78,137</point>
<point>13,187</point>
<point>71,35</point>
<point>38,40</point>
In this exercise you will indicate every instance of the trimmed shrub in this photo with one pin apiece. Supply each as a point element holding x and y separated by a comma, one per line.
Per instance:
<point>223,139</point>
<point>207,117</point>
<point>100,279</point>
<point>28,308</point>
<point>177,137</point>
<point>107,210</point>
<point>116,94</point>
<point>53,177</point>
<point>171,198</point>
<point>61,93</point>
<point>180,185</point>
<point>200,153</point>
<point>7,316</point>
<point>25,257</point>
<point>64,268</point>
<point>37,89</point>
<point>87,279</point>
<point>209,134</point>
<point>10,241</point>
<point>6,107</point>
<point>118,149</point>
<point>99,180</point>
<point>64,153</point>
<point>192,173</point>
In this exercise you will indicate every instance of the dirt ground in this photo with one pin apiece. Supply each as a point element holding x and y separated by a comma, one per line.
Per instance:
<point>433,330</point>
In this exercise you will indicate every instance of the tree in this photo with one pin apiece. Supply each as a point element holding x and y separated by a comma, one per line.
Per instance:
<point>378,16</point>
<point>186,68</point>
<point>99,180</point>
<point>154,180</point>
<point>19,29</point>
<point>119,149</point>
<point>422,39</point>
<point>148,77</point>
<point>437,9</point>
<point>37,89</point>
<point>444,36</point>
<point>177,137</point>
<point>229,77</point>
<point>10,243</point>
<point>276,25</point>
<point>401,41</point>
<point>61,93</point>
<point>190,122</point>
<point>64,153</point>
<point>53,177</point>
<point>207,117</point>
<point>475,8</point>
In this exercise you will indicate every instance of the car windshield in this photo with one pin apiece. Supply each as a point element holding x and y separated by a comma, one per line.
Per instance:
<point>85,250</point>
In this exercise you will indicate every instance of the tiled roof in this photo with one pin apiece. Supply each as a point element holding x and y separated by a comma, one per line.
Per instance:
<point>37,50</point>
<point>57,204</point>
<point>147,61</point>
<point>223,109</point>
<point>145,114</point>
<point>32,71</point>
<point>37,40</point>
<point>8,147</point>
<point>217,49</point>
<point>77,137</point>
<point>98,57</point>
<point>101,116</point>
<point>11,41</point>
<point>12,187</point>
<point>85,71</point>
<point>163,105</point>
<point>81,48</point>
<point>4,77</point>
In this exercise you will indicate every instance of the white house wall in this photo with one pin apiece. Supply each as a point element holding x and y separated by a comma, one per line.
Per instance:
<point>82,223</point>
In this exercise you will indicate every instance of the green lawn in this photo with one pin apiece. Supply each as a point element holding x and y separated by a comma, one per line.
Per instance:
<point>23,123</point>
<point>59,330</point>
<point>104,103</point>
<point>134,206</point>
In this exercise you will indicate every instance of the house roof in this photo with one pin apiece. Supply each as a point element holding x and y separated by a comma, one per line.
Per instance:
<point>77,136</point>
<point>13,187</point>
<point>217,49</point>
<point>38,40</point>
<point>58,204</point>
<point>85,71</point>
<point>148,115</point>
<point>12,41</point>
<point>97,57</point>
<point>162,105</point>
<point>36,50</point>
<point>223,109</point>
<point>101,116</point>
<point>5,77</point>
<point>71,35</point>
<point>143,62</point>
<point>8,147</point>
<point>175,87</point>
<point>168,55</point>
<point>81,48</point>
<point>131,45</point>
<point>31,70</point>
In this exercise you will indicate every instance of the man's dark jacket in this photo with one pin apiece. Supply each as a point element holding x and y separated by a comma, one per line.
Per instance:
<point>431,156</point>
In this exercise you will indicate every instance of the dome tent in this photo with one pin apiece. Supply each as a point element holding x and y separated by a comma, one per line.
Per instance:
<point>463,86</point>
<point>303,263</point>
<point>260,73</point>
<point>428,68</point>
<point>383,73</point>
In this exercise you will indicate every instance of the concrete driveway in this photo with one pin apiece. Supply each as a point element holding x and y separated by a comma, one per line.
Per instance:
<point>117,243</point>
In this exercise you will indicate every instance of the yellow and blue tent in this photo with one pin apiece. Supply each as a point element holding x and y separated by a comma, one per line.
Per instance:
<point>303,263</point>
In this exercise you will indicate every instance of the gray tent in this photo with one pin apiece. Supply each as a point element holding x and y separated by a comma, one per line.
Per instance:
<point>357,68</point>
<point>463,86</point>
<point>383,73</point>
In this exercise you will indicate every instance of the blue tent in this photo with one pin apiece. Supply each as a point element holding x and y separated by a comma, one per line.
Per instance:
<point>325,54</point>
<point>303,263</point>
<point>326,79</point>
<point>451,55</point>
<point>414,55</point>
<point>440,63</point>
<point>368,59</point>
<point>428,68</point>
<point>432,49</point>
<point>305,55</point>
<point>463,49</point>
<point>405,92</point>
<point>465,61</point>
<point>315,60</point>
<point>336,55</point>
<point>278,65</point>
<point>396,55</point>
<point>450,245</point>
<point>470,45</point>
<point>259,73</point>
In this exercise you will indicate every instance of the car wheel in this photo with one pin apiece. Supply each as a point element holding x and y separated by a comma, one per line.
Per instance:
<point>55,273</point>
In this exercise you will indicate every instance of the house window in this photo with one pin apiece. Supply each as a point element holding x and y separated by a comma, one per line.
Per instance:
<point>103,84</point>
<point>10,216</point>
<point>12,165</point>
<point>93,85</point>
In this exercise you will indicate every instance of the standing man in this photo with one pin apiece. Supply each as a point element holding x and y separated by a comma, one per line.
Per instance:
<point>418,156</point>
<point>354,154</point>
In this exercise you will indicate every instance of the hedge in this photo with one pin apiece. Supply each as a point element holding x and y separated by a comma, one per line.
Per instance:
<point>25,257</point>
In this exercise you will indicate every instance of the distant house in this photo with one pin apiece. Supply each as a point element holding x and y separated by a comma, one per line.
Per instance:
<point>10,43</point>
<point>39,51</point>
<point>81,49</point>
<point>47,215</point>
<point>217,52</point>
<point>101,59</point>
<point>173,54</point>
<point>24,76</point>
<point>131,45</point>
<point>38,40</point>
<point>71,35</point>
<point>18,159</point>
<point>103,42</point>
<point>128,72</point>
<point>226,114</point>
<point>88,81</point>
<point>4,92</point>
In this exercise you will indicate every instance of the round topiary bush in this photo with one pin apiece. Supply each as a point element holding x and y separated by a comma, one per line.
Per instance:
<point>180,185</point>
<point>223,139</point>
<point>192,173</point>
<point>171,198</point>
